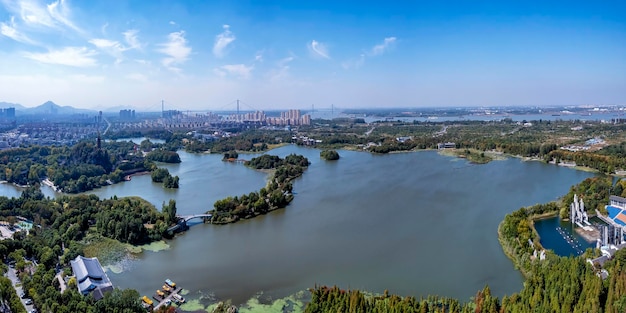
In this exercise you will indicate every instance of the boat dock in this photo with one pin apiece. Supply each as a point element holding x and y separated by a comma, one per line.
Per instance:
<point>169,294</point>
<point>164,300</point>
<point>570,240</point>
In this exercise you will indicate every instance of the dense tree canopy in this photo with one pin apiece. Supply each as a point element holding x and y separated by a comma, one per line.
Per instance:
<point>276,194</point>
<point>329,155</point>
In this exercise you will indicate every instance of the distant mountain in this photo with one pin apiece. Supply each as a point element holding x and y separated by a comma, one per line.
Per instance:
<point>52,108</point>
<point>5,105</point>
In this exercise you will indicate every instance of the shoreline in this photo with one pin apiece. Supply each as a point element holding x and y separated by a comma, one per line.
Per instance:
<point>589,236</point>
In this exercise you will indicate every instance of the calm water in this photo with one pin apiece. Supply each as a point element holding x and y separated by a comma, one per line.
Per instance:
<point>552,239</point>
<point>412,223</point>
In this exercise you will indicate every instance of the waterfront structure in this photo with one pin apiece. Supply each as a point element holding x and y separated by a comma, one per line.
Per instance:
<point>610,235</point>
<point>577,213</point>
<point>90,277</point>
<point>446,145</point>
<point>616,211</point>
<point>617,202</point>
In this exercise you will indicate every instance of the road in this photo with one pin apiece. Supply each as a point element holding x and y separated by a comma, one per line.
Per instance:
<point>59,277</point>
<point>108,126</point>
<point>17,284</point>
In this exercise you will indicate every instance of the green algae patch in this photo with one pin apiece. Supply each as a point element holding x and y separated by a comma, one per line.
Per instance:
<point>294,303</point>
<point>194,305</point>
<point>114,268</point>
<point>134,249</point>
<point>107,250</point>
<point>155,246</point>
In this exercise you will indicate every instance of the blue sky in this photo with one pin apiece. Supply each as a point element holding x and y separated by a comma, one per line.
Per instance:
<point>202,55</point>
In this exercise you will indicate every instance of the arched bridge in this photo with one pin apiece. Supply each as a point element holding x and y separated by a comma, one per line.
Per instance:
<point>181,225</point>
<point>187,218</point>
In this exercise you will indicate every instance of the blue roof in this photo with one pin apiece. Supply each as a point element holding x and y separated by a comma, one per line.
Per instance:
<point>613,211</point>
<point>619,222</point>
<point>89,274</point>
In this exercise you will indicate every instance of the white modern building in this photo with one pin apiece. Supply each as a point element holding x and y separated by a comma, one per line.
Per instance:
<point>90,277</point>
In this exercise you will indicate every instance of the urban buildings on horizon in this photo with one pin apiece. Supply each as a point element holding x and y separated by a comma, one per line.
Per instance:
<point>286,118</point>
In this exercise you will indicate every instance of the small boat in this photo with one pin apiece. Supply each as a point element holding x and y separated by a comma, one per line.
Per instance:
<point>160,293</point>
<point>166,288</point>
<point>170,283</point>
<point>147,300</point>
<point>178,298</point>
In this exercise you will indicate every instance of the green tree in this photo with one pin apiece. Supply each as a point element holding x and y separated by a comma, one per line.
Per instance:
<point>329,155</point>
<point>169,211</point>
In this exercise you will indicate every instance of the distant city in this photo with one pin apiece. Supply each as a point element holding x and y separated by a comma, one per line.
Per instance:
<point>51,124</point>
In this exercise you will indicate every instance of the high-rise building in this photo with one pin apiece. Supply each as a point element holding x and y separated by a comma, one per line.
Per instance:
<point>127,114</point>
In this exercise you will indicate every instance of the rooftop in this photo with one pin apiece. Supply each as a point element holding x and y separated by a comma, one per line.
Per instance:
<point>90,276</point>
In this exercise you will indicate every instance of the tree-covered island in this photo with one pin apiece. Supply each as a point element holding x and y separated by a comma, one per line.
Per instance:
<point>276,194</point>
<point>329,155</point>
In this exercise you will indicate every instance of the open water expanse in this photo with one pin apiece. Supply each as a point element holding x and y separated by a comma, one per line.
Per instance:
<point>413,223</point>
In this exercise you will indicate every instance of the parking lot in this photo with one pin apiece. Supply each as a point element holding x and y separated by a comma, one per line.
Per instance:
<point>17,284</point>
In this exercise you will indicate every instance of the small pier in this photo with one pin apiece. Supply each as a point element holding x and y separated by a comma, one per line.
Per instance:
<point>573,242</point>
<point>168,295</point>
<point>164,300</point>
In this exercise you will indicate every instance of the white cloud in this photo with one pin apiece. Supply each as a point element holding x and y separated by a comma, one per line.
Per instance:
<point>282,69</point>
<point>222,41</point>
<point>318,49</point>
<point>59,11</point>
<point>35,14</point>
<point>377,50</point>
<point>285,61</point>
<point>176,49</point>
<point>381,48</point>
<point>238,70</point>
<point>131,39</point>
<point>115,48</point>
<point>70,56</point>
<point>354,63</point>
<point>10,30</point>
<point>103,29</point>
<point>111,47</point>
<point>31,13</point>
<point>172,23</point>
<point>105,43</point>
<point>258,57</point>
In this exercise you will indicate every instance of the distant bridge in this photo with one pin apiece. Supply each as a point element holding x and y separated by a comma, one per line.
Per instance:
<point>183,219</point>
<point>187,218</point>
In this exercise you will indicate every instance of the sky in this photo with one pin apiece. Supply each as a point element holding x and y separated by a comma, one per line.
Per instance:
<point>205,55</point>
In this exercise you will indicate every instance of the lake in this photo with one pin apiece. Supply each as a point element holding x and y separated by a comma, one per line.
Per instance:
<point>413,223</point>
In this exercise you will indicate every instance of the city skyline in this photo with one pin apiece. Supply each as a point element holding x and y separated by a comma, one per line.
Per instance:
<point>279,55</point>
